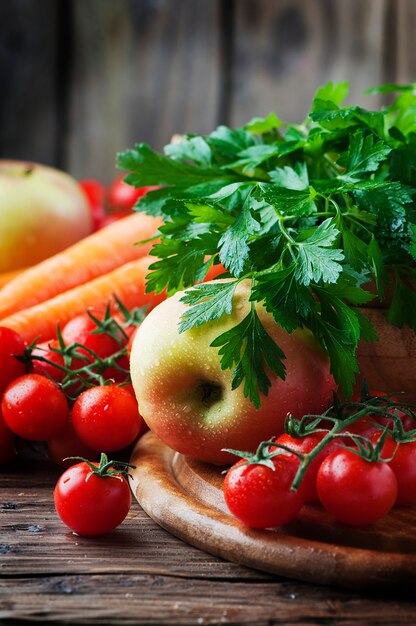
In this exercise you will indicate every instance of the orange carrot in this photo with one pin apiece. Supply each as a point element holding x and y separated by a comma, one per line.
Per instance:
<point>126,282</point>
<point>92,256</point>
<point>6,277</point>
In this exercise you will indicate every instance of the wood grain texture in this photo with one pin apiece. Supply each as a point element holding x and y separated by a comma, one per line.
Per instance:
<point>186,498</point>
<point>406,28</point>
<point>285,50</point>
<point>142,71</point>
<point>140,574</point>
<point>29,80</point>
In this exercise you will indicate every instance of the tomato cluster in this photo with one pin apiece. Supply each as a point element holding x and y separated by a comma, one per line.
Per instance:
<point>357,473</point>
<point>113,203</point>
<point>74,394</point>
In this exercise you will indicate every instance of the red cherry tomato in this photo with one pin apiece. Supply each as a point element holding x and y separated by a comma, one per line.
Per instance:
<point>49,367</point>
<point>354,490</point>
<point>364,426</point>
<point>304,445</point>
<point>407,421</point>
<point>403,465</point>
<point>122,196</point>
<point>11,345</point>
<point>81,330</point>
<point>67,444</point>
<point>95,192</point>
<point>34,407</point>
<point>91,504</point>
<point>261,497</point>
<point>106,418</point>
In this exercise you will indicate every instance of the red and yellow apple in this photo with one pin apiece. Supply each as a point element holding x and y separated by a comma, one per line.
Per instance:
<point>186,398</point>
<point>42,211</point>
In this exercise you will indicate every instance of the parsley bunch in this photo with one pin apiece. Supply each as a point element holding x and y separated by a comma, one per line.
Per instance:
<point>309,212</point>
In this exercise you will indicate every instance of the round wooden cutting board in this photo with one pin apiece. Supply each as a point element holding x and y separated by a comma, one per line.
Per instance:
<point>185,497</point>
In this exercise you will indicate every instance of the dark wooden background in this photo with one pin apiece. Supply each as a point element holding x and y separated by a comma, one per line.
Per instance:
<point>83,79</point>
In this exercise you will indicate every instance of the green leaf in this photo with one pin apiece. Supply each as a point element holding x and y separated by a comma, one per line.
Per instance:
<point>160,202</point>
<point>403,307</point>
<point>333,118</point>
<point>193,149</point>
<point>355,249</point>
<point>412,248</point>
<point>233,246</point>
<point>207,302</point>
<point>387,200</point>
<point>260,125</point>
<point>205,214</point>
<point>375,259</point>
<point>341,350</point>
<point>364,155</point>
<point>284,297</point>
<point>150,168</point>
<point>248,348</point>
<point>180,265</point>
<point>334,92</point>
<point>226,142</point>
<point>252,157</point>
<point>290,201</point>
<point>291,177</point>
<point>403,164</point>
<point>389,88</point>
<point>317,260</point>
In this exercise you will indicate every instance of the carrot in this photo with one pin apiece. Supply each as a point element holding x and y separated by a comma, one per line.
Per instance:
<point>126,282</point>
<point>92,256</point>
<point>6,277</point>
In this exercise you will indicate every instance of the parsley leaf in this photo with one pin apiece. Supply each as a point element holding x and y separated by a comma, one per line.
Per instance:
<point>317,259</point>
<point>207,302</point>
<point>309,213</point>
<point>249,348</point>
<point>364,155</point>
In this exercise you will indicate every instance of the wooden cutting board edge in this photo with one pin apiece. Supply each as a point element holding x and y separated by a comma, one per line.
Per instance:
<point>166,501</point>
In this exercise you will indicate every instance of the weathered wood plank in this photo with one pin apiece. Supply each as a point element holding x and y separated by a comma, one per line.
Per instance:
<point>29,80</point>
<point>132,599</point>
<point>406,28</point>
<point>285,50</point>
<point>34,541</point>
<point>141,72</point>
<point>139,574</point>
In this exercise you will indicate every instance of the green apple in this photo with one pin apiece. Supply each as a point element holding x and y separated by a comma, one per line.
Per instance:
<point>42,211</point>
<point>186,398</point>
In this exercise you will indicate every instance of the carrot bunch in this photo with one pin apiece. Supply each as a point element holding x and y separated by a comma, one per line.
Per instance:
<point>110,262</point>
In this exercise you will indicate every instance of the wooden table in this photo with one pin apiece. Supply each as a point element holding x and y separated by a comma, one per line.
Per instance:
<point>140,574</point>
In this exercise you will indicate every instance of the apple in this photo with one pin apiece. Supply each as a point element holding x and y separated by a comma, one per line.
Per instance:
<point>42,211</point>
<point>186,398</point>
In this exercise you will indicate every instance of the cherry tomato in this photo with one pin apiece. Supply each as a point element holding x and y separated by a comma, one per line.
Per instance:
<point>48,368</point>
<point>304,445</point>
<point>34,407</point>
<point>7,447</point>
<point>106,418</point>
<point>66,444</point>
<point>81,330</point>
<point>364,426</point>
<point>95,192</point>
<point>407,421</point>
<point>11,345</point>
<point>403,465</point>
<point>261,497</point>
<point>90,504</point>
<point>354,490</point>
<point>122,196</point>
